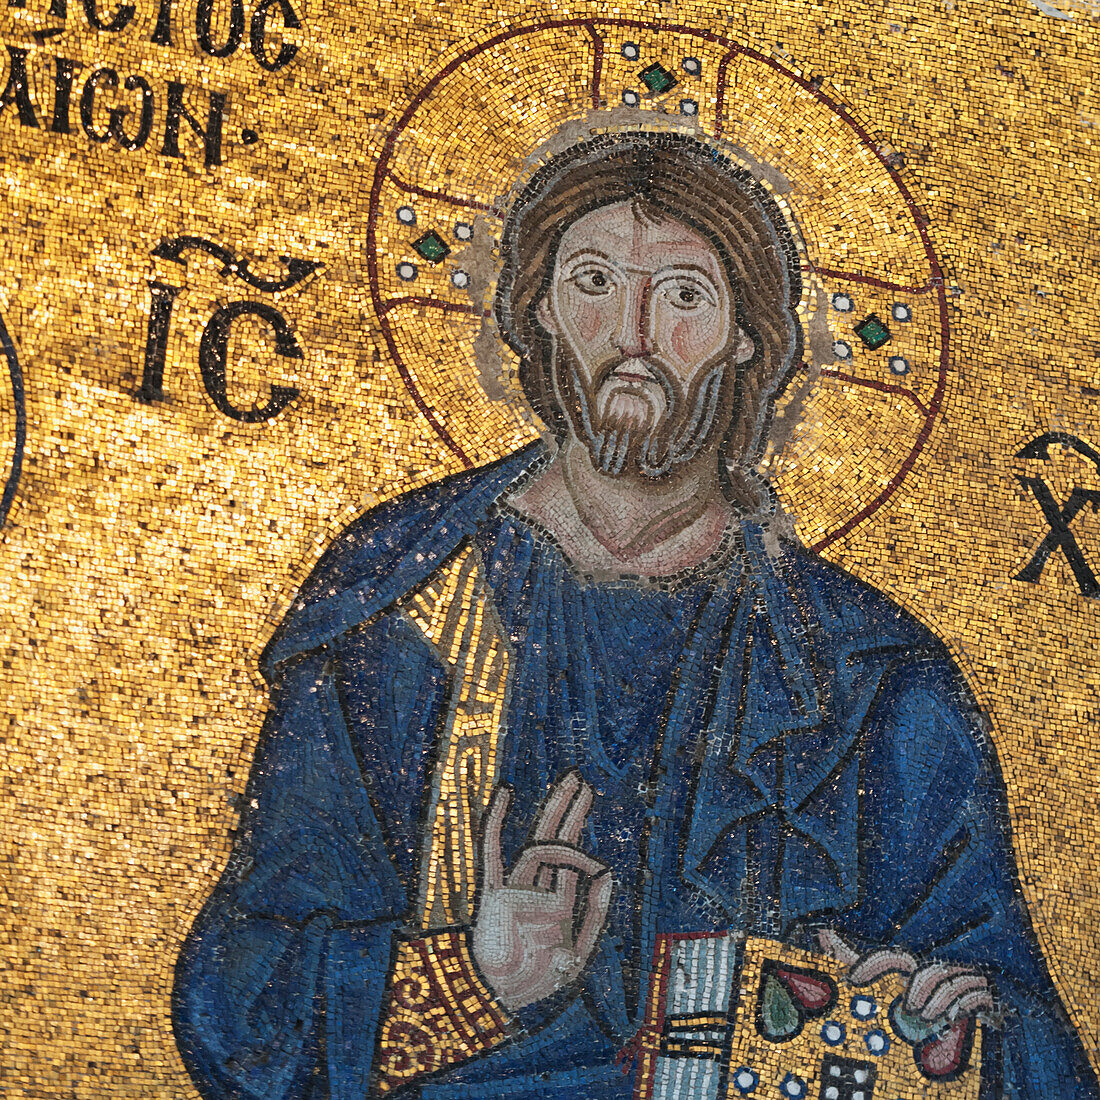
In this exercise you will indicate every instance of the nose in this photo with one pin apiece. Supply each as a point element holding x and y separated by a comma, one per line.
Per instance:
<point>632,339</point>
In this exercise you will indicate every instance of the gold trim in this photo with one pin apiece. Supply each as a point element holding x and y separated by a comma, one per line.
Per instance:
<point>440,1013</point>
<point>456,615</point>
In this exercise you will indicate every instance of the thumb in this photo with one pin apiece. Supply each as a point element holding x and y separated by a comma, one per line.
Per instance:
<point>837,947</point>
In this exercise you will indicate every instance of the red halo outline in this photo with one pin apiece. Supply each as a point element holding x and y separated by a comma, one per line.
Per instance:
<point>590,25</point>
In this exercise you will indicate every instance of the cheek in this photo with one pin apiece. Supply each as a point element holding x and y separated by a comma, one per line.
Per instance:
<point>586,317</point>
<point>693,339</point>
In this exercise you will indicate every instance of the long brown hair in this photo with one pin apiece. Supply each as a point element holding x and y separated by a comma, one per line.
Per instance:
<point>665,175</point>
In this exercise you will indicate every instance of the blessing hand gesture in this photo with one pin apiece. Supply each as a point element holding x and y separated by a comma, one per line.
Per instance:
<point>536,928</point>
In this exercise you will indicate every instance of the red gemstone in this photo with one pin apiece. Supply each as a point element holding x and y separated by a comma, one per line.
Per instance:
<point>813,994</point>
<point>943,1055</point>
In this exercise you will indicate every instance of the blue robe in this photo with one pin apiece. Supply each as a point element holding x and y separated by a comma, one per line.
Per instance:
<point>774,746</point>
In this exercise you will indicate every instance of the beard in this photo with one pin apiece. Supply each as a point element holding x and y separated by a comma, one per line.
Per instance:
<point>647,427</point>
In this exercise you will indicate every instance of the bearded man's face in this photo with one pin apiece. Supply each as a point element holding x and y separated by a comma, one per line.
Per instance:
<point>645,343</point>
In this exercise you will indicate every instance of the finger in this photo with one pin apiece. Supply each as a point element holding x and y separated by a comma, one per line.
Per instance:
<point>557,880</point>
<point>547,933</point>
<point>569,831</point>
<point>883,961</point>
<point>534,910</point>
<point>553,809</point>
<point>595,914</point>
<point>537,856</point>
<point>834,944</point>
<point>971,1004</point>
<point>566,889</point>
<point>492,865</point>
<point>924,983</point>
<point>572,823</point>
<point>949,991</point>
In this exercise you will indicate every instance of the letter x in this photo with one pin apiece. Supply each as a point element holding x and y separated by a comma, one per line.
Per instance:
<point>1060,537</point>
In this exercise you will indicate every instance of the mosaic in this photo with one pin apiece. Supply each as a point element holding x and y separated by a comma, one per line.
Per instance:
<point>550,550</point>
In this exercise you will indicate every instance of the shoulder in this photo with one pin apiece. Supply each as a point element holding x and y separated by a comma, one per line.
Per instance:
<point>881,653</point>
<point>850,612</point>
<point>867,636</point>
<point>389,550</point>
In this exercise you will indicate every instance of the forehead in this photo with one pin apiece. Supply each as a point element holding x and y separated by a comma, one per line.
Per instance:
<point>622,233</point>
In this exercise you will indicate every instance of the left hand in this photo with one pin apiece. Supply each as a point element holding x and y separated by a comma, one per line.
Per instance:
<point>936,992</point>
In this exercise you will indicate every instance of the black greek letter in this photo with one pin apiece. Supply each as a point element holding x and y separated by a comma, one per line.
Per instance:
<point>258,32</point>
<point>15,91</point>
<point>145,126</point>
<point>121,18</point>
<point>107,78</point>
<point>211,133</point>
<point>203,15</point>
<point>156,344</point>
<point>213,349</point>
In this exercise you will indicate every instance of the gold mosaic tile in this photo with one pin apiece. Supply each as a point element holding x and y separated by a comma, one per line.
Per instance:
<point>252,254</point>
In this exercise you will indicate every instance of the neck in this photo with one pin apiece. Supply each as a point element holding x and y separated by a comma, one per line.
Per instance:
<point>629,523</point>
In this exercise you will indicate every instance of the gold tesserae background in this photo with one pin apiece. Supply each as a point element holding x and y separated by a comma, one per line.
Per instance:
<point>178,462</point>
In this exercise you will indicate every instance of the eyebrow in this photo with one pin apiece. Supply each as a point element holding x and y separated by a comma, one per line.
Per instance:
<point>595,253</point>
<point>696,268</point>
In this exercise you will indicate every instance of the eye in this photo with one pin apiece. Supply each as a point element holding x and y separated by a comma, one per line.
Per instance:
<point>592,280</point>
<point>688,295</point>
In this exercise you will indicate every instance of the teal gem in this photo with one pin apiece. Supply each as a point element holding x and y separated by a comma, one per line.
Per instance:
<point>778,1014</point>
<point>910,1026</point>
<point>657,78</point>
<point>432,247</point>
<point>873,332</point>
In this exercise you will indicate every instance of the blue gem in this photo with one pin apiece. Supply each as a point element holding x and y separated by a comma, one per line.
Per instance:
<point>832,1031</point>
<point>793,1087</point>
<point>863,1007</point>
<point>745,1080</point>
<point>877,1042</point>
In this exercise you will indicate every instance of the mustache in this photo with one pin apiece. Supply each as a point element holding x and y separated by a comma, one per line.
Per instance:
<point>680,420</point>
<point>614,436</point>
<point>644,366</point>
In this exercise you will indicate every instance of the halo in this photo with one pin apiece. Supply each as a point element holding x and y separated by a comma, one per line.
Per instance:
<point>857,415</point>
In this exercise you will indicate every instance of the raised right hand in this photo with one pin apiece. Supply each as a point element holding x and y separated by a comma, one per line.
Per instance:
<point>536,928</point>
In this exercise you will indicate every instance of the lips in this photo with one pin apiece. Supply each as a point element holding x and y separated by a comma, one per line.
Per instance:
<point>634,372</point>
